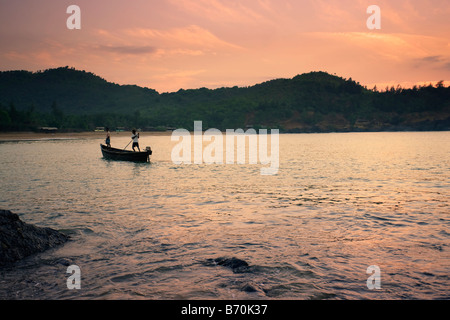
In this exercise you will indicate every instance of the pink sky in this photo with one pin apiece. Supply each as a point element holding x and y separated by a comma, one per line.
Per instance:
<point>171,44</point>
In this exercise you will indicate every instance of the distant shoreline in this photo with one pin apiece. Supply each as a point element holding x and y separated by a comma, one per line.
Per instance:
<point>38,136</point>
<point>32,136</point>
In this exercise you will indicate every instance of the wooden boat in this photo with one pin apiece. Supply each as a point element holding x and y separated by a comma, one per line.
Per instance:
<point>125,155</point>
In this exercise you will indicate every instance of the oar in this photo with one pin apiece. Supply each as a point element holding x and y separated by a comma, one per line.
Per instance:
<point>128,144</point>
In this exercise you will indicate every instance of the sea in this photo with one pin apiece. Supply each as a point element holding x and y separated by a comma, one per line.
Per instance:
<point>347,216</point>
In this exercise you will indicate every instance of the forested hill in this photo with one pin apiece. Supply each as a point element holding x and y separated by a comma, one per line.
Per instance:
<point>313,102</point>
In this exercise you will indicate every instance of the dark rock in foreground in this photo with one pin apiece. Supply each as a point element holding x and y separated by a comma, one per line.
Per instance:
<point>235,264</point>
<point>19,239</point>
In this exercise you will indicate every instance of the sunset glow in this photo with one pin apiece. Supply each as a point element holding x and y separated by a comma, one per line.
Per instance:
<point>172,44</point>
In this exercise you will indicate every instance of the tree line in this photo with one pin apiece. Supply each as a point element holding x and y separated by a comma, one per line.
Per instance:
<point>74,100</point>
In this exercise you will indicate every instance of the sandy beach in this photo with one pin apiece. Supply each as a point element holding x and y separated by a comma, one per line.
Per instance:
<point>29,136</point>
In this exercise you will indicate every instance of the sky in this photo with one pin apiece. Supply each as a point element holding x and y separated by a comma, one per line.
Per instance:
<point>167,45</point>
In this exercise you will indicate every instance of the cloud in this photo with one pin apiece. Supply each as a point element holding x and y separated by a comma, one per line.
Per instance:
<point>190,37</point>
<point>431,59</point>
<point>396,47</point>
<point>435,61</point>
<point>220,11</point>
<point>188,41</point>
<point>133,50</point>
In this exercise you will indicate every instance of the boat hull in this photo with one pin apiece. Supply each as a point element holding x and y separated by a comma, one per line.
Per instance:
<point>125,155</point>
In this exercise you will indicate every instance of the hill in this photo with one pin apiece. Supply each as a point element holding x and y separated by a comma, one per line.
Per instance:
<point>312,102</point>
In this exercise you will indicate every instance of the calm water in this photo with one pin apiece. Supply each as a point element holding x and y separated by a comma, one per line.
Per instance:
<point>339,204</point>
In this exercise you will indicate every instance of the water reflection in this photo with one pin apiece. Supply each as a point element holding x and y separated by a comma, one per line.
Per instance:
<point>340,203</point>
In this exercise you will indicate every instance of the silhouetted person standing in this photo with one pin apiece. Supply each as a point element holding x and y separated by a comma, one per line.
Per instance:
<point>135,138</point>
<point>108,138</point>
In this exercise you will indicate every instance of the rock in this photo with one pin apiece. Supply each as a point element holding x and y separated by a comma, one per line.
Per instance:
<point>248,288</point>
<point>235,264</point>
<point>19,239</point>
